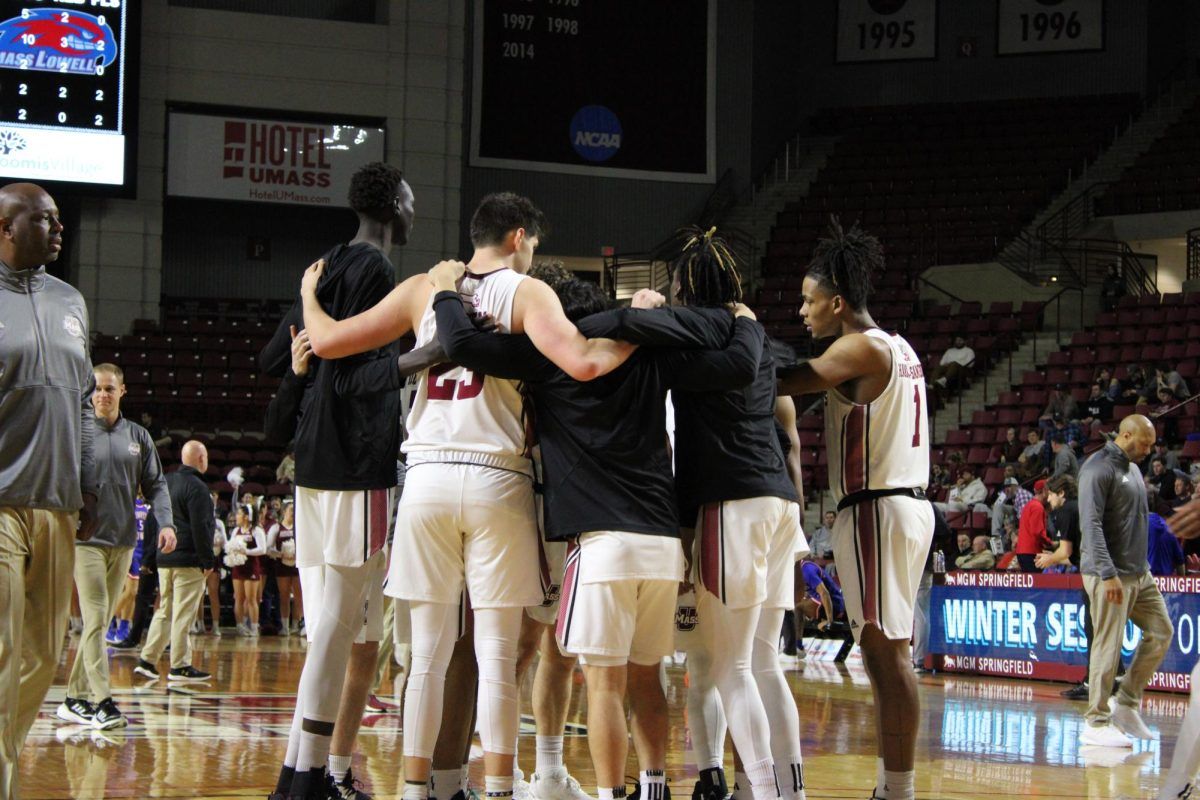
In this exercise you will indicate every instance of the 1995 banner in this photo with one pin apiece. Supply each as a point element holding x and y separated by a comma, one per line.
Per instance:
<point>1032,626</point>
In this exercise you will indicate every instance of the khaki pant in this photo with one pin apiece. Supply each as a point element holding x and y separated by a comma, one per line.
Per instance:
<point>37,550</point>
<point>99,575</point>
<point>1143,605</point>
<point>180,592</point>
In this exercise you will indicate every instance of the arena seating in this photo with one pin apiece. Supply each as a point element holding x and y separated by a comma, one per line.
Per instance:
<point>1164,178</point>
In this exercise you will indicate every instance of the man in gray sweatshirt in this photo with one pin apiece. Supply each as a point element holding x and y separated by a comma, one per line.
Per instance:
<point>1116,575</point>
<point>126,461</point>
<point>47,468</point>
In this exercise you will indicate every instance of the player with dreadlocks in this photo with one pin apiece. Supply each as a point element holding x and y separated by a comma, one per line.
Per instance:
<point>877,433</point>
<point>732,484</point>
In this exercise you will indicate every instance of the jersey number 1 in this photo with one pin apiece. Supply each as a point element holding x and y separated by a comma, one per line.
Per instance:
<point>917,419</point>
<point>450,389</point>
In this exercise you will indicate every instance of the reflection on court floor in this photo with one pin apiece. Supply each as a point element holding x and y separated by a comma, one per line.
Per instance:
<point>981,737</point>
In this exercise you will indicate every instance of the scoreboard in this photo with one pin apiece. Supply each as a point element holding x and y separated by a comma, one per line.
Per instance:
<point>617,88</point>
<point>68,77</point>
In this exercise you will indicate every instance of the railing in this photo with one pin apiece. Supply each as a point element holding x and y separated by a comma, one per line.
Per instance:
<point>787,159</point>
<point>1193,254</point>
<point>1092,258</point>
<point>1074,216</point>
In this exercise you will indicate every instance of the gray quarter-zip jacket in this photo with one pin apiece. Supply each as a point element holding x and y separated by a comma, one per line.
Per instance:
<point>1113,515</point>
<point>46,417</point>
<point>126,461</point>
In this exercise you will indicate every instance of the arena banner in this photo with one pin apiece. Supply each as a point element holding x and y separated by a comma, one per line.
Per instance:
<point>1049,26</point>
<point>266,160</point>
<point>1032,626</point>
<point>886,30</point>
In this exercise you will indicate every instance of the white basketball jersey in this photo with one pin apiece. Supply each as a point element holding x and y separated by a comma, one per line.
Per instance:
<point>883,444</point>
<point>463,416</point>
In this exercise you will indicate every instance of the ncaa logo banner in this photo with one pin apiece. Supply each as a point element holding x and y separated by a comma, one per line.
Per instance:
<point>266,161</point>
<point>1037,629</point>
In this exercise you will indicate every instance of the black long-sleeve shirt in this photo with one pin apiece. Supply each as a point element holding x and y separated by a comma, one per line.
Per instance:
<point>192,509</point>
<point>343,442</point>
<point>604,446</point>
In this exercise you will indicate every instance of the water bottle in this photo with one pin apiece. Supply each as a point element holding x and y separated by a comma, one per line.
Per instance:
<point>939,562</point>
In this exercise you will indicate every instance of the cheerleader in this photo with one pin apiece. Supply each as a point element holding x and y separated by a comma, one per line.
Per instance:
<point>281,548</point>
<point>248,575</point>
<point>213,581</point>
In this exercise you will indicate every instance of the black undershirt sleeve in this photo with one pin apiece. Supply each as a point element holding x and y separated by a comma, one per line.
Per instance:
<point>703,328</point>
<point>284,409</point>
<point>716,370</point>
<point>508,356</point>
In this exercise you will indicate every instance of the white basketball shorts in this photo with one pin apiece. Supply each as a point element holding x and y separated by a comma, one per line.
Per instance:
<point>466,524</point>
<point>745,551</point>
<point>880,549</point>
<point>344,528</point>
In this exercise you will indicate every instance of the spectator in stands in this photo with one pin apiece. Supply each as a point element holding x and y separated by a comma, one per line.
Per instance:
<point>1161,450</point>
<point>1183,488</point>
<point>821,544</point>
<point>979,557</point>
<point>1060,406</point>
<point>954,364</point>
<point>286,471</point>
<point>1032,535</point>
<point>965,493</point>
<point>1095,411</point>
<point>1061,492</point>
<point>1110,385</point>
<point>1031,456</point>
<point>1136,385</point>
<point>1010,451</point>
<point>1164,552</point>
<point>1163,479</point>
<point>1065,462</point>
<point>157,432</point>
<point>963,541</point>
<point>1166,377</point>
<point>1113,288</point>
<point>938,476</point>
<point>1009,504</point>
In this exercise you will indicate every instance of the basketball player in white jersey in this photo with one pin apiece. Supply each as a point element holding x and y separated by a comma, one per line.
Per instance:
<point>1181,781</point>
<point>877,433</point>
<point>466,515</point>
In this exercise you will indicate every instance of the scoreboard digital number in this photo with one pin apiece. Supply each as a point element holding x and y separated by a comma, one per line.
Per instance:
<point>65,91</point>
<point>617,88</point>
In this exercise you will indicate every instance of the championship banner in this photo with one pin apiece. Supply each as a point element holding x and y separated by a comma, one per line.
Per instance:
<point>886,30</point>
<point>1032,626</point>
<point>266,161</point>
<point>1049,26</point>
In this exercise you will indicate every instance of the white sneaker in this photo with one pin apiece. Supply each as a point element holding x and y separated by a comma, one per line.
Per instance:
<point>556,784</point>
<point>1104,736</point>
<point>1129,722</point>
<point>520,786</point>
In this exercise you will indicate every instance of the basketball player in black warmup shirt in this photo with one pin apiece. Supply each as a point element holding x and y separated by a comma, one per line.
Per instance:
<point>345,470</point>
<point>607,474</point>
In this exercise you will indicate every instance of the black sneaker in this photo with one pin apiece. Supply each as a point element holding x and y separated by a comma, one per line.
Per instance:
<point>73,709</point>
<point>188,674</point>
<point>126,644</point>
<point>107,716</point>
<point>146,669</point>
<point>348,789</point>
<point>1077,692</point>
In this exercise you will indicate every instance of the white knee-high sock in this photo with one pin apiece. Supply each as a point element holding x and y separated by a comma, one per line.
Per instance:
<point>706,718</point>
<point>780,704</point>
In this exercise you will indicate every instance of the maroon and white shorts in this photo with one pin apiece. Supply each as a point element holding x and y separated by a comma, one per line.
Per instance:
<point>880,549</point>
<point>745,551</point>
<point>341,528</point>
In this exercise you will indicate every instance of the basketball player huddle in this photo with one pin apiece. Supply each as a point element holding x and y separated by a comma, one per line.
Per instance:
<point>537,458</point>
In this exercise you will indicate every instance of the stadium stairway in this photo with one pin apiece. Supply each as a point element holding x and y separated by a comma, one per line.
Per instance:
<point>1131,143</point>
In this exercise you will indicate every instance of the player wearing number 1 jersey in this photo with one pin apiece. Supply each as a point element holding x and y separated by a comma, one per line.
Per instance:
<point>466,516</point>
<point>878,439</point>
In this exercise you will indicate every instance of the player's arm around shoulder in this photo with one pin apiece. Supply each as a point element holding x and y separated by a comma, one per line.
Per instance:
<point>849,358</point>
<point>385,322</point>
<point>539,315</point>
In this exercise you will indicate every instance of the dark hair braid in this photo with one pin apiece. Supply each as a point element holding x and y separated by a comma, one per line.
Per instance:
<point>707,269</point>
<point>844,262</point>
